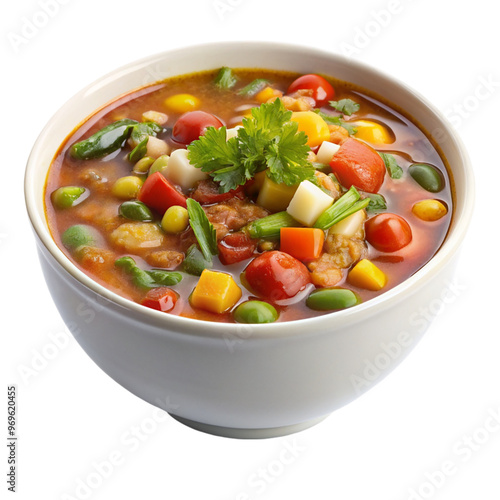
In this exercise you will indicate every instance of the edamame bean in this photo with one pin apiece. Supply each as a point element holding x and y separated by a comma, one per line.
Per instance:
<point>427,176</point>
<point>332,299</point>
<point>255,311</point>
<point>159,165</point>
<point>135,210</point>
<point>66,196</point>
<point>77,236</point>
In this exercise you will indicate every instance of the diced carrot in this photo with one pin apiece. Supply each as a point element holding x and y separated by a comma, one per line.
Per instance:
<point>161,298</point>
<point>303,243</point>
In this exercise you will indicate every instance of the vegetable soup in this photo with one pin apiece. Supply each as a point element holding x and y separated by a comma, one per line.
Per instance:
<point>249,196</point>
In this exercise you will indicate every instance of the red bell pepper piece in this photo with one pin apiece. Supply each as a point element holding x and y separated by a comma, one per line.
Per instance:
<point>161,298</point>
<point>235,247</point>
<point>356,163</point>
<point>158,193</point>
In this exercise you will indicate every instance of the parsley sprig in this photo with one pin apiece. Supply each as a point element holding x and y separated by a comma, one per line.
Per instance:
<point>267,140</point>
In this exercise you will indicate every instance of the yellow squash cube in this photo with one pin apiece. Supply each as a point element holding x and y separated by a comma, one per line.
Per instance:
<point>365,274</point>
<point>182,103</point>
<point>215,292</point>
<point>275,197</point>
<point>373,132</point>
<point>313,126</point>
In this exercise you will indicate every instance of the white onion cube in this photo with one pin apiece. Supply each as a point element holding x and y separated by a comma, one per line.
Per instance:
<point>326,152</point>
<point>308,203</point>
<point>181,172</point>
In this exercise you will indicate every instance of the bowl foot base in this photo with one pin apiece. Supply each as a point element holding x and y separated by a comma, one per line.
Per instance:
<point>232,432</point>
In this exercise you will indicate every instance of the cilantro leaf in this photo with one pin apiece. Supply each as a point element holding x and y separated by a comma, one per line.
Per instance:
<point>285,156</point>
<point>377,202</point>
<point>337,120</point>
<point>203,229</point>
<point>266,140</point>
<point>345,106</point>
<point>394,170</point>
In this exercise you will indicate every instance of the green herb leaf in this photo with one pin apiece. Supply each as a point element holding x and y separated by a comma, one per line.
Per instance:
<point>345,106</point>
<point>195,261</point>
<point>139,151</point>
<point>394,170</point>
<point>253,87</point>
<point>144,129</point>
<point>105,141</point>
<point>377,202</point>
<point>267,140</point>
<point>225,78</point>
<point>337,120</point>
<point>203,229</point>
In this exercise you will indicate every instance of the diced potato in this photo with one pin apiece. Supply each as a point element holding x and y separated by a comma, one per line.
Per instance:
<point>308,203</point>
<point>215,292</point>
<point>373,132</point>
<point>135,236</point>
<point>156,147</point>
<point>349,226</point>
<point>365,274</point>
<point>181,172</point>
<point>275,197</point>
<point>155,116</point>
<point>326,152</point>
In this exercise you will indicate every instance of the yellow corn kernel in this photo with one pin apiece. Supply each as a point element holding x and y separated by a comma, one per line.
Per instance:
<point>313,126</point>
<point>429,210</point>
<point>373,132</point>
<point>175,219</point>
<point>215,292</point>
<point>275,197</point>
<point>365,274</point>
<point>127,187</point>
<point>182,103</point>
<point>268,93</point>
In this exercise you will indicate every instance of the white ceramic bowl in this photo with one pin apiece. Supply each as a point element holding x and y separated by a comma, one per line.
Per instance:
<point>229,379</point>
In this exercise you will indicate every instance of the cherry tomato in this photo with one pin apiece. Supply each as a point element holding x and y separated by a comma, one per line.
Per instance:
<point>235,247</point>
<point>276,275</point>
<point>322,91</point>
<point>388,232</point>
<point>207,192</point>
<point>356,163</point>
<point>192,124</point>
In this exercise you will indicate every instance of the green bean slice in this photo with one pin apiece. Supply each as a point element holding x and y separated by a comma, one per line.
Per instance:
<point>332,299</point>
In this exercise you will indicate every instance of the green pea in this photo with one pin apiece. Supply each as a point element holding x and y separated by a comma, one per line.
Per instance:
<point>427,176</point>
<point>332,299</point>
<point>255,311</point>
<point>65,197</point>
<point>77,236</point>
<point>135,210</point>
<point>159,165</point>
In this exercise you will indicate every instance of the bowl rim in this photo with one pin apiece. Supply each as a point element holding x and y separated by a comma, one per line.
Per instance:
<point>183,325</point>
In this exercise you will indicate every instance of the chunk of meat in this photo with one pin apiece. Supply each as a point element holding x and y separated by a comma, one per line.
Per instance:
<point>324,271</point>
<point>299,101</point>
<point>100,213</point>
<point>94,179</point>
<point>235,213</point>
<point>341,252</point>
<point>94,258</point>
<point>136,236</point>
<point>166,259</point>
<point>338,134</point>
<point>329,184</point>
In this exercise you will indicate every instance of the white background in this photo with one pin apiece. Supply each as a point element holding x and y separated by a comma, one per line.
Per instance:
<point>434,412</point>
